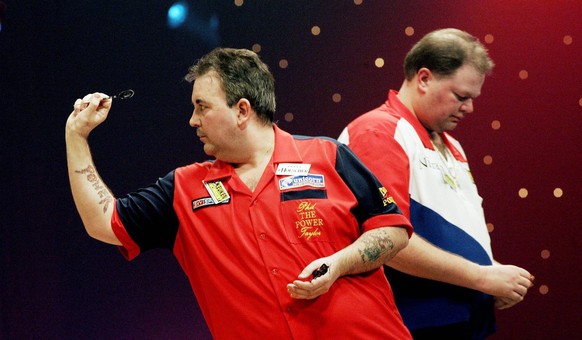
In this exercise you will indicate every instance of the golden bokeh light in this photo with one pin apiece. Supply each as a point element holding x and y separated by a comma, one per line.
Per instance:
<point>490,227</point>
<point>545,254</point>
<point>544,289</point>
<point>289,117</point>
<point>568,39</point>
<point>336,97</point>
<point>238,3</point>
<point>523,193</point>
<point>558,192</point>
<point>489,38</point>
<point>523,74</point>
<point>379,62</point>
<point>495,125</point>
<point>256,48</point>
<point>315,30</point>
<point>358,2</point>
<point>409,31</point>
<point>488,159</point>
<point>283,63</point>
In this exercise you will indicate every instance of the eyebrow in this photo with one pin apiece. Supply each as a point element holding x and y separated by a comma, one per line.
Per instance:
<point>199,101</point>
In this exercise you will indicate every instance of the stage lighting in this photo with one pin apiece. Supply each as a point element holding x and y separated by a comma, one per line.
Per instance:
<point>177,14</point>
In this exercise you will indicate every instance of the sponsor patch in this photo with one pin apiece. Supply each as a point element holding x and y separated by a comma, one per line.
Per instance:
<point>217,191</point>
<point>311,180</point>
<point>204,202</point>
<point>386,199</point>
<point>292,169</point>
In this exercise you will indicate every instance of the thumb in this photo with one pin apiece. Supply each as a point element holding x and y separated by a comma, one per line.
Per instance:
<point>306,272</point>
<point>314,269</point>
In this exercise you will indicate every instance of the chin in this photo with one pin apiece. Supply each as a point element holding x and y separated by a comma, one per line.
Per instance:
<point>450,127</point>
<point>208,150</point>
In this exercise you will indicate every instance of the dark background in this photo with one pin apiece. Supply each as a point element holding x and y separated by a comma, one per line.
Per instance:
<point>57,283</point>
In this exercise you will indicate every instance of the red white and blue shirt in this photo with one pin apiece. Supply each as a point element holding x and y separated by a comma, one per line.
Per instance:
<point>441,200</point>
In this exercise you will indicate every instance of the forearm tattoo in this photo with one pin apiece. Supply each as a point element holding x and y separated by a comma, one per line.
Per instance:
<point>104,194</point>
<point>375,246</point>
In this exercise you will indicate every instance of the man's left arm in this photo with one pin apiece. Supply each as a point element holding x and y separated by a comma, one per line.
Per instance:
<point>385,231</point>
<point>370,251</point>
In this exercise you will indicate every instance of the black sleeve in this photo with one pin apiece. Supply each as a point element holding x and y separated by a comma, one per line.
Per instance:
<point>370,193</point>
<point>148,215</point>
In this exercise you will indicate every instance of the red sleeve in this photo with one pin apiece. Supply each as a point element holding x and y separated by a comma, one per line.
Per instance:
<point>395,220</point>
<point>129,249</point>
<point>383,155</point>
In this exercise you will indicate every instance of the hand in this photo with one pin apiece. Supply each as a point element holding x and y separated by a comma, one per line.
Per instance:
<point>88,113</point>
<point>301,289</point>
<point>509,284</point>
<point>504,303</point>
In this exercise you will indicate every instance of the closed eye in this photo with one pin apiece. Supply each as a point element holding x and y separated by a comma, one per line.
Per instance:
<point>460,98</point>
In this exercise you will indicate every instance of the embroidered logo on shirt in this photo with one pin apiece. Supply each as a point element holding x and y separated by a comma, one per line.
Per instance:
<point>386,199</point>
<point>308,225</point>
<point>312,180</point>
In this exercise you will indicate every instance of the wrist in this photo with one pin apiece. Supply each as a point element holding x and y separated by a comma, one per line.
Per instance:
<point>479,277</point>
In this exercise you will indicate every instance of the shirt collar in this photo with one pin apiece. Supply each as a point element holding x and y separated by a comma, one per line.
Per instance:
<point>285,152</point>
<point>420,129</point>
<point>411,118</point>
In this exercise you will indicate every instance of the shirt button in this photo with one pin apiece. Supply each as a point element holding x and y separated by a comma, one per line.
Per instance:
<point>262,236</point>
<point>275,271</point>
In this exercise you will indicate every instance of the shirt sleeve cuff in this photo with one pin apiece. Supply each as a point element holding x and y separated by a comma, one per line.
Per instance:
<point>129,249</point>
<point>388,220</point>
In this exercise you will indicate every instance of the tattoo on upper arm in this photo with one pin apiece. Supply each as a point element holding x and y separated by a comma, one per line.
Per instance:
<point>375,246</point>
<point>105,196</point>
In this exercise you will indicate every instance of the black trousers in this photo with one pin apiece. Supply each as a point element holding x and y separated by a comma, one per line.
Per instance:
<point>457,331</point>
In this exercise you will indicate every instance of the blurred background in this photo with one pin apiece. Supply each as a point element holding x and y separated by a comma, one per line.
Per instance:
<point>332,61</point>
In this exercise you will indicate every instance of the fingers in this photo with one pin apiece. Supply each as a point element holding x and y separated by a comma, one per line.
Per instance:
<point>98,101</point>
<point>526,279</point>
<point>81,104</point>
<point>504,303</point>
<point>88,112</point>
<point>77,107</point>
<point>307,289</point>
<point>521,286</point>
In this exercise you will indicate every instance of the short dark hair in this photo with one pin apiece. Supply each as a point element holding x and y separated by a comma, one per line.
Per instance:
<point>242,75</point>
<point>444,51</point>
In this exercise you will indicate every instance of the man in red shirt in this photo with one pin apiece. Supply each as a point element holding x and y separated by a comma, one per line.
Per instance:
<point>280,236</point>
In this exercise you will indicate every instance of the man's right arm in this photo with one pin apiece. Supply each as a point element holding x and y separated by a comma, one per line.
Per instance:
<point>94,201</point>
<point>422,259</point>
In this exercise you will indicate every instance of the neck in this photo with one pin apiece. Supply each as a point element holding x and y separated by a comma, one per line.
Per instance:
<point>251,170</point>
<point>405,97</point>
<point>438,142</point>
<point>263,148</point>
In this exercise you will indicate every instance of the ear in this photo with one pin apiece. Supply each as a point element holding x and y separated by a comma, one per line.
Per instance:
<point>244,111</point>
<point>423,78</point>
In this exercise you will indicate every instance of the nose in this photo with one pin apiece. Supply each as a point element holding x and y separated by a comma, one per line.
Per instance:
<point>467,106</point>
<point>194,121</point>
